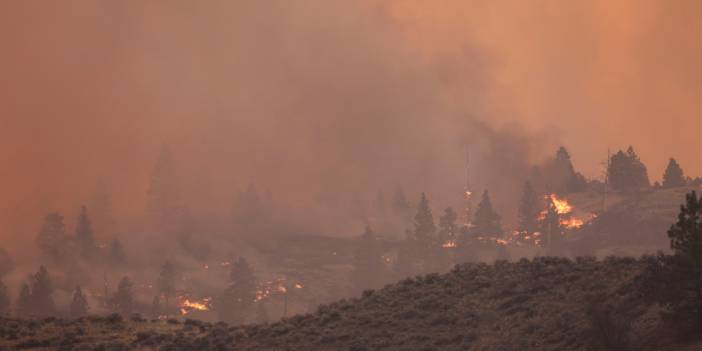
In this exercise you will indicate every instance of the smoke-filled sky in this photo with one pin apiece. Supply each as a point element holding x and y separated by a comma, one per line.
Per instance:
<point>306,96</point>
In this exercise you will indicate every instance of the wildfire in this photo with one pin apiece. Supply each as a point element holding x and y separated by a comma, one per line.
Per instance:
<point>449,244</point>
<point>187,305</point>
<point>269,288</point>
<point>565,209</point>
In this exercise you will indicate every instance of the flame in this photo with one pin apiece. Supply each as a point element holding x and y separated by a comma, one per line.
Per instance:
<point>572,223</point>
<point>187,305</point>
<point>298,286</point>
<point>562,205</point>
<point>449,244</point>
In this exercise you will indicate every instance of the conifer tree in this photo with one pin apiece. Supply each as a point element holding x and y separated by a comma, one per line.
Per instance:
<point>166,282</point>
<point>155,307</point>
<point>486,222</point>
<point>163,197</point>
<point>368,262</point>
<point>448,229</point>
<point>42,293</point>
<point>79,304</point>
<point>552,230</point>
<point>682,293</point>
<point>566,179</point>
<point>117,255</point>
<point>7,264</point>
<point>4,300</point>
<point>400,206</point>
<point>424,228</point>
<point>626,172</point>
<point>84,236</point>
<point>52,238</point>
<point>123,299</point>
<point>237,302</point>
<point>529,208</point>
<point>101,207</point>
<point>24,302</point>
<point>673,176</point>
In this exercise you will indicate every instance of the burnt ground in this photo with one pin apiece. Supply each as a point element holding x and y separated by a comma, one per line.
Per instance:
<point>540,304</point>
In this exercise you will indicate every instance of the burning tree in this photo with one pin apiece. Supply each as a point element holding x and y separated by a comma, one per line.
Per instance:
<point>673,176</point>
<point>529,209</point>
<point>79,304</point>
<point>552,230</point>
<point>368,262</point>
<point>236,304</point>
<point>84,235</point>
<point>448,229</point>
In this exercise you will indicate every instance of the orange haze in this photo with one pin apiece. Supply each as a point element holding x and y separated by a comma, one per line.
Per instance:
<point>306,96</point>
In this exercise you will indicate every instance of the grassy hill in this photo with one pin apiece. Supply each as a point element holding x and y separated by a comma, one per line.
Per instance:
<point>542,304</point>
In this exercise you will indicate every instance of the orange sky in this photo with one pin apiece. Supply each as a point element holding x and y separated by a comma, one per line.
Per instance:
<point>310,94</point>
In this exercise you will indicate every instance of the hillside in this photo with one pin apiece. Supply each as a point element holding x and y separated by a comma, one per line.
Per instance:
<point>543,304</point>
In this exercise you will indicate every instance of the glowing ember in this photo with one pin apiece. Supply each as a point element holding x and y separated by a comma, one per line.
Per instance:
<point>449,244</point>
<point>298,286</point>
<point>572,223</point>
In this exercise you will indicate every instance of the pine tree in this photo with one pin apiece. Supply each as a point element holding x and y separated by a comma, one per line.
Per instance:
<point>52,238</point>
<point>101,207</point>
<point>123,299</point>
<point>163,194</point>
<point>561,175</point>
<point>448,229</point>
<point>117,255</point>
<point>166,282</point>
<point>237,302</point>
<point>626,171</point>
<point>24,302</point>
<point>7,264</point>
<point>552,231</point>
<point>400,206</point>
<point>4,300</point>
<point>84,236</point>
<point>673,176</point>
<point>155,307</point>
<point>486,222</point>
<point>682,293</point>
<point>424,228</point>
<point>79,304</point>
<point>368,262</point>
<point>42,293</point>
<point>529,208</point>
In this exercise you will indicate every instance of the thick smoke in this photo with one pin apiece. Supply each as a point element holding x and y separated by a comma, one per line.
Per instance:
<point>318,99</point>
